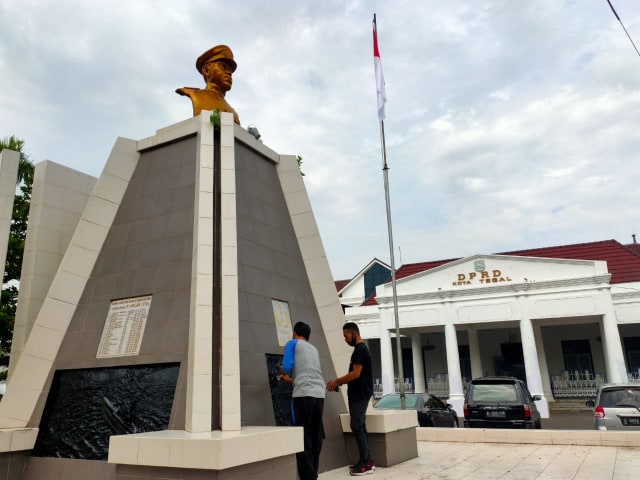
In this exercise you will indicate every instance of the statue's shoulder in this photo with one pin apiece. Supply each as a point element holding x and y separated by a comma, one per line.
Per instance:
<point>188,91</point>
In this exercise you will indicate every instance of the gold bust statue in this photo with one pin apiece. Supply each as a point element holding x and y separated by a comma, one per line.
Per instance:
<point>216,66</point>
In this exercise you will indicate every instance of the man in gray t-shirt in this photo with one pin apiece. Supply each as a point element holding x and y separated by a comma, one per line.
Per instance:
<point>301,362</point>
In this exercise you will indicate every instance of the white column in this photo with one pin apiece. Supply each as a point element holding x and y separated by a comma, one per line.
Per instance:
<point>616,369</point>
<point>474,353</point>
<point>544,368</point>
<point>532,366</point>
<point>9,161</point>
<point>418,364</point>
<point>386,361</point>
<point>456,395</point>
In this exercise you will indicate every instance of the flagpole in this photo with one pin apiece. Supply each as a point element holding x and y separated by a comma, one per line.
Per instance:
<point>385,170</point>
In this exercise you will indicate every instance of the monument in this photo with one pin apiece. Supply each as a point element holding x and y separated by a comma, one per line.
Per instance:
<point>157,300</point>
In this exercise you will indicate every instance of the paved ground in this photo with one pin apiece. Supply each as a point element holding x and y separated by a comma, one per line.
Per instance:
<point>489,461</point>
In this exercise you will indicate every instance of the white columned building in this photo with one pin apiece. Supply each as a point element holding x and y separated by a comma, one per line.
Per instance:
<point>555,317</point>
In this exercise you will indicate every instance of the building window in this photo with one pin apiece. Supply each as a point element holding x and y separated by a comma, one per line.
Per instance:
<point>577,355</point>
<point>375,276</point>
<point>632,348</point>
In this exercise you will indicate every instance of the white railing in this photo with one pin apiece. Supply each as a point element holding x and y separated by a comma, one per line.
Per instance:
<point>576,383</point>
<point>378,391</point>
<point>634,377</point>
<point>438,385</point>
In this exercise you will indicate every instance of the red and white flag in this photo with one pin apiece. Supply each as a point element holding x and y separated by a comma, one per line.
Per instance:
<point>382,94</point>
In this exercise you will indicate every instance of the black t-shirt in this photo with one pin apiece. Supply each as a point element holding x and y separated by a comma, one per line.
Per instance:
<point>362,387</point>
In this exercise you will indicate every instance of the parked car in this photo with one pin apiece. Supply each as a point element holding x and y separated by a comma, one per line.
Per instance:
<point>617,407</point>
<point>432,412</point>
<point>500,402</point>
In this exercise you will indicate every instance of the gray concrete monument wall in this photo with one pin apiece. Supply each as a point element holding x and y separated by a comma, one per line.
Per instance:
<point>148,229</point>
<point>58,199</point>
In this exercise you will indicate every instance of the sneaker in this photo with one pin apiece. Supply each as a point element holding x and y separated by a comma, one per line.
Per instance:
<point>362,469</point>
<point>359,464</point>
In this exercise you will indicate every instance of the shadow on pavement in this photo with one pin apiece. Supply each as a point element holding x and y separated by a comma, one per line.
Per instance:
<point>569,420</point>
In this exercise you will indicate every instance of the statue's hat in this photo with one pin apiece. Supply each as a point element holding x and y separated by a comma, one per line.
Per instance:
<point>219,53</point>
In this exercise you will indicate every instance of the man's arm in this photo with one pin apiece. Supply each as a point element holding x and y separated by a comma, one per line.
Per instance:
<point>349,377</point>
<point>289,356</point>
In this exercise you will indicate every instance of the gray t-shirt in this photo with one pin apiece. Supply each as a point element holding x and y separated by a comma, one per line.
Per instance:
<point>307,376</point>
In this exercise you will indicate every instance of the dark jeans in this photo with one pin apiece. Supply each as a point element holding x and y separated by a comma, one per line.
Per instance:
<point>358,414</point>
<point>308,414</point>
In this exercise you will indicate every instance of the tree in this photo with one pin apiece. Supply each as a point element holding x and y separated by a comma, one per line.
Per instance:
<point>15,249</point>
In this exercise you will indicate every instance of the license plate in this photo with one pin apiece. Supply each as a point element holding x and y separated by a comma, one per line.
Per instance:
<point>630,421</point>
<point>496,414</point>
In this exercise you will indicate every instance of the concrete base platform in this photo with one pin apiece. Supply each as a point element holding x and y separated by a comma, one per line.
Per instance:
<point>386,449</point>
<point>392,436</point>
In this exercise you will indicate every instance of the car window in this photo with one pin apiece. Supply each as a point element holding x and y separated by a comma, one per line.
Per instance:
<point>393,401</point>
<point>432,402</point>
<point>526,392</point>
<point>620,396</point>
<point>494,392</point>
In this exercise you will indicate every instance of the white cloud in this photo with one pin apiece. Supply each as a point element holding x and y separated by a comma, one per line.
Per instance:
<point>509,125</point>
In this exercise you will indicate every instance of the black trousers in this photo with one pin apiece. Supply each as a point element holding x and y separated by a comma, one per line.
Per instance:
<point>358,414</point>
<point>308,415</point>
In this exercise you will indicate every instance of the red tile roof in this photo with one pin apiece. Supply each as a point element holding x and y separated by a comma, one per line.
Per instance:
<point>371,300</point>
<point>633,247</point>
<point>623,265</point>
<point>622,262</point>
<point>413,268</point>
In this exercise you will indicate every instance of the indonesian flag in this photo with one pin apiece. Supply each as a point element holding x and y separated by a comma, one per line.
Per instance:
<point>382,94</point>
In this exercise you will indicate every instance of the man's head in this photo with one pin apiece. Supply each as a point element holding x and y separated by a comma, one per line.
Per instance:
<point>303,330</point>
<point>217,66</point>
<point>351,333</point>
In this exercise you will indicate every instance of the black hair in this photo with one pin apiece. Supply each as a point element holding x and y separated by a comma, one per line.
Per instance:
<point>302,329</point>
<point>351,327</point>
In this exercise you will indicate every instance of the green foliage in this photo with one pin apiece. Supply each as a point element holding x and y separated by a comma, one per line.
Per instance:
<point>9,299</point>
<point>299,158</point>
<point>17,235</point>
<point>215,118</point>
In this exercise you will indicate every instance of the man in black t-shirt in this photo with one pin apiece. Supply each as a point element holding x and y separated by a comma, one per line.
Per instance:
<point>359,393</point>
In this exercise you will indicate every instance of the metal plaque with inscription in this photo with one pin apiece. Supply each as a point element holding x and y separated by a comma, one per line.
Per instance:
<point>123,330</point>
<point>281,392</point>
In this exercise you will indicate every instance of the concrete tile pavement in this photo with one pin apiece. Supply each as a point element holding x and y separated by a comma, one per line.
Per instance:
<point>505,461</point>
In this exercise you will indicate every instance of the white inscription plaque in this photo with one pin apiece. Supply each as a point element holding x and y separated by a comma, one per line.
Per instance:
<point>123,330</point>
<point>283,321</point>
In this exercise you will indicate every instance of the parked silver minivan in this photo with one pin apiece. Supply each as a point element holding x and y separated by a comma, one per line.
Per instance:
<point>617,407</point>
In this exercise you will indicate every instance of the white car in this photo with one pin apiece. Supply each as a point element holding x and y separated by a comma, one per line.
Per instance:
<point>617,407</point>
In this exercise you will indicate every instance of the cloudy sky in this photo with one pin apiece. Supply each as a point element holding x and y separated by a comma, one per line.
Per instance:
<point>510,124</point>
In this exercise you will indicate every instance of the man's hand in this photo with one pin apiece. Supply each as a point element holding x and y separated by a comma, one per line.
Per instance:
<point>283,377</point>
<point>332,385</point>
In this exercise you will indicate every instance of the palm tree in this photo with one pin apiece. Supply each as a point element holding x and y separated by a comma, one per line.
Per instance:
<point>15,249</point>
<point>25,166</point>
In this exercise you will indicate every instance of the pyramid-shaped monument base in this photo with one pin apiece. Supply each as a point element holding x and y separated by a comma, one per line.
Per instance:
<point>155,303</point>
